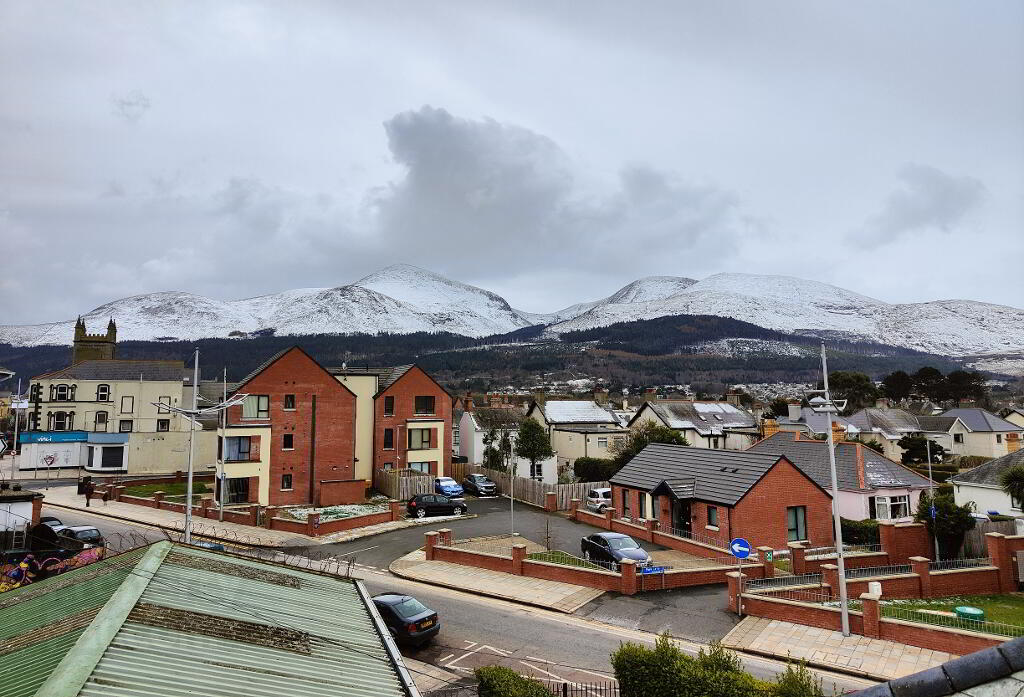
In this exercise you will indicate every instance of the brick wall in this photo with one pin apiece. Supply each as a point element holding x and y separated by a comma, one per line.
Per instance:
<point>904,540</point>
<point>948,640</point>
<point>341,491</point>
<point>478,559</point>
<point>760,516</point>
<point>852,561</point>
<point>414,383</point>
<point>605,580</point>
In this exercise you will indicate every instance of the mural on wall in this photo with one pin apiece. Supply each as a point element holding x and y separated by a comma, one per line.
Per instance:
<point>20,569</point>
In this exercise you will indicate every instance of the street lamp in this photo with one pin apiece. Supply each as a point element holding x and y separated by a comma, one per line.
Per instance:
<point>824,404</point>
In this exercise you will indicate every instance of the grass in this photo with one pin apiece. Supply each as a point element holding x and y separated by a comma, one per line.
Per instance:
<point>783,565</point>
<point>170,489</point>
<point>556,556</point>
<point>1008,608</point>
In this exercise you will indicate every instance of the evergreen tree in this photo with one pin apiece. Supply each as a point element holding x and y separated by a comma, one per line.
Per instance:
<point>897,385</point>
<point>915,450</point>
<point>639,438</point>
<point>931,383</point>
<point>857,389</point>
<point>532,443</point>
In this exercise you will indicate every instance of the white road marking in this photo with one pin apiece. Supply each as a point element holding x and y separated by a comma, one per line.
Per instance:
<point>447,657</point>
<point>541,670</point>
<point>364,549</point>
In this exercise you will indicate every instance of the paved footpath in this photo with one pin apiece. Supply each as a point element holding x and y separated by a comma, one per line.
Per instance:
<point>824,648</point>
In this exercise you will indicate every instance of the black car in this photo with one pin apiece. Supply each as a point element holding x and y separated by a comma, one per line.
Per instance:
<point>422,505</point>
<point>613,547</point>
<point>480,485</point>
<point>51,521</point>
<point>408,620</point>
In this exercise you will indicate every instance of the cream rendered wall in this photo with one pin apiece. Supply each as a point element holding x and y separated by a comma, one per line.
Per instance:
<point>259,469</point>
<point>143,414</point>
<point>1016,418</point>
<point>984,443</point>
<point>364,387</point>
<point>471,440</point>
<point>985,498</point>
<point>954,447</point>
<point>428,454</point>
<point>161,453</point>
<point>568,445</point>
<point>855,506</point>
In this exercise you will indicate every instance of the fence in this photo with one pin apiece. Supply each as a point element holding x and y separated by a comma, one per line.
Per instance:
<point>767,584</point>
<point>402,484</point>
<point>529,490</point>
<point>710,540</point>
<point>558,688</point>
<point>500,545</point>
<point>959,564</point>
<point>819,552</point>
<point>873,571</point>
<point>974,540</point>
<point>985,626</point>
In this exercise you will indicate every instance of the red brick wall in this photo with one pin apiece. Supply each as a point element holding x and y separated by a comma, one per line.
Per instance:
<point>684,545</point>
<point>352,523</point>
<point>760,516</point>
<point>415,383</point>
<point>333,493</point>
<point>905,540</point>
<point>478,559</point>
<point>567,574</point>
<point>289,525</point>
<point>800,613</point>
<point>855,561</point>
<point>699,520</point>
<point>950,641</point>
<point>332,446</point>
<point>968,582</point>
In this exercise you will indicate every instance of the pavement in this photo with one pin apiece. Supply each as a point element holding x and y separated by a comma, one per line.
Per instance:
<point>877,659</point>
<point>552,595</point>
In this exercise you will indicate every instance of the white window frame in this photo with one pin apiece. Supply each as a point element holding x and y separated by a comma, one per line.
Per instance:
<point>602,442</point>
<point>163,400</point>
<point>420,467</point>
<point>103,393</point>
<point>887,503</point>
<point>58,390</point>
<point>130,401</point>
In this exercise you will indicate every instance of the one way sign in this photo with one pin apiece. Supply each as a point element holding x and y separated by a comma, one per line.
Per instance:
<point>740,548</point>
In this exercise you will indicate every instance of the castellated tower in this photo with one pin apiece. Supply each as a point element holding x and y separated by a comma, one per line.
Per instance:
<point>93,347</point>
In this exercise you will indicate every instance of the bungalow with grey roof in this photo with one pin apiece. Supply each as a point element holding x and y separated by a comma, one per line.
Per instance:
<point>983,486</point>
<point>715,425</point>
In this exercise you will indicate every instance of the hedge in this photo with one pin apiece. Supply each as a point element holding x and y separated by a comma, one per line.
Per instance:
<point>859,532</point>
<point>593,469</point>
<point>499,681</point>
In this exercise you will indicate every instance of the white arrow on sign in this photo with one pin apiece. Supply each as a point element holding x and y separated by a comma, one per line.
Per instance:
<point>737,547</point>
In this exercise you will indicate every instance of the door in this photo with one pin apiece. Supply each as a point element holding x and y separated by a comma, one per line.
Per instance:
<point>238,490</point>
<point>681,515</point>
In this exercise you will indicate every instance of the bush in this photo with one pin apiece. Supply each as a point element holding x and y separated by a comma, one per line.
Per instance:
<point>944,489</point>
<point>859,532</point>
<point>665,671</point>
<point>797,681</point>
<point>969,461</point>
<point>593,469</point>
<point>499,681</point>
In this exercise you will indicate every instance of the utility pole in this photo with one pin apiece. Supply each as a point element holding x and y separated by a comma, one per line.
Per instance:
<point>191,448</point>
<point>17,423</point>
<point>931,495</point>
<point>223,449</point>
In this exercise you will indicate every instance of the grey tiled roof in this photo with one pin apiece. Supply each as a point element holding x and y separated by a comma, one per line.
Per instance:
<point>981,420</point>
<point>991,472</point>
<point>817,422</point>
<point>487,418</point>
<point>993,668</point>
<point>719,476</point>
<point>936,424</point>
<point>392,377</point>
<point>165,371</point>
<point>890,422</point>
<point>811,456</point>
<point>707,418</point>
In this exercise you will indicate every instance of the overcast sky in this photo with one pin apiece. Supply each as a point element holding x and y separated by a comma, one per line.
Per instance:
<point>550,152</point>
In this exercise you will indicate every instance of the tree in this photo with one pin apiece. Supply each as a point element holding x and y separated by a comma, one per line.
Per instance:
<point>857,389</point>
<point>874,444</point>
<point>930,382</point>
<point>639,438</point>
<point>778,408</point>
<point>497,449</point>
<point>897,386</point>
<point>533,443</point>
<point>951,521</point>
<point>915,450</point>
<point>961,385</point>
<point>1012,482</point>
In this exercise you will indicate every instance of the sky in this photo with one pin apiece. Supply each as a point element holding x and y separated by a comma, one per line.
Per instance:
<point>549,152</point>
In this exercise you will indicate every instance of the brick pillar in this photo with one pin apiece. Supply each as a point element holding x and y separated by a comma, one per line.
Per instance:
<point>999,552</point>
<point>574,505</point>
<point>268,516</point>
<point>609,516</point>
<point>518,554</point>
<point>830,577</point>
<point>444,537</point>
<point>118,492</point>
<point>650,524</point>
<point>429,540</point>
<point>179,476</point>
<point>396,509</point>
<point>769,567</point>
<point>254,515</point>
<point>870,610</point>
<point>665,514</point>
<point>734,579</point>
<point>628,571</point>
<point>158,496</point>
<point>797,558</point>
<point>919,565</point>
<point>550,502</point>
<point>887,538</point>
<point>312,524</point>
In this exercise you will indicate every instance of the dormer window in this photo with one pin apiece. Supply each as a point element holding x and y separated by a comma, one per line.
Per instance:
<point>103,393</point>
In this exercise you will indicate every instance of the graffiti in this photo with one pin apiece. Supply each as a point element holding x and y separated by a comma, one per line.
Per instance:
<point>32,566</point>
<point>48,460</point>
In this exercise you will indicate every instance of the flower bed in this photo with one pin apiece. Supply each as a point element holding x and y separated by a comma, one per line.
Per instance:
<point>329,513</point>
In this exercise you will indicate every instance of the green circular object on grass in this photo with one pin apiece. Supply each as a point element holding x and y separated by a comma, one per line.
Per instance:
<point>966,612</point>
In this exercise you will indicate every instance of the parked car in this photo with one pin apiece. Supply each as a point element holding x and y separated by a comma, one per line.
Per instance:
<point>51,521</point>
<point>480,484</point>
<point>599,499</point>
<point>215,546</point>
<point>422,505</point>
<point>408,620</point>
<point>447,486</point>
<point>613,547</point>
<point>86,534</point>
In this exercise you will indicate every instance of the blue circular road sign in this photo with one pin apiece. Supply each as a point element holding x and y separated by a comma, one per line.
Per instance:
<point>740,548</point>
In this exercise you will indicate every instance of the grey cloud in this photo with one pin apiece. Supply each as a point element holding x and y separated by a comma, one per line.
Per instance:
<point>131,106</point>
<point>928,199</point>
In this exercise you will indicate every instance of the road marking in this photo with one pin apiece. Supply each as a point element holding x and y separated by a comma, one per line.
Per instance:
<point>364,549</point>
<point>446,657</point>
<point>541,670</point>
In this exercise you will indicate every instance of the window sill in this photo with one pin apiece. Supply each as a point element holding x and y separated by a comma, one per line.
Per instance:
<point>711,527</point>
<point>287,449</point>
<point>284,409</point>
<point>286,489</point>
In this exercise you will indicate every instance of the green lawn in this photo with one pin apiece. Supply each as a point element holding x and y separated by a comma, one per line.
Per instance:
<point>170,489</point>
<point>559,557</point>
<point>1008,609</point>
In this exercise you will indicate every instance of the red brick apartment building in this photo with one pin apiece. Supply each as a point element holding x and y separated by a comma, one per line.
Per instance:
<point>412,423</point>
<point>724,494</point>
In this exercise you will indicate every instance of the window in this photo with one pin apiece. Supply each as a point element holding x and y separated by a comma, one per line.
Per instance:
<point>289,402</point>
<point>625,503</point>
<point>958,438</point>
<point>425,405</point>
<point>389,465</point>
<point>288,441</point>
<point>618,440</point>
<point>999,438</point>
<point>1015,503</point>
<point>713,516</point>
<point>796,523</point>
<point>455,435</point>
<point>102,393</point>
<point>419,438</point>
<point>286,482</point>
<point>389,439</point>
<point>62,421</point>
<point>256,406</point>
<point>62,393</point>
<point>389,406</point>
<point>536,471</point>
<point>602,442</point>
<point>238,448</point>
<point>420,467</point>
<point>125,426</point>
<point>101,422</point>
<point>890,507</point>
<point>128,405</point>
<point>163,425</point>
<point>162,409</point>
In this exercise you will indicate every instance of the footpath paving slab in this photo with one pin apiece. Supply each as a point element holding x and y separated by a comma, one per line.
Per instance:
<point>878,659</point>
<point>553,595</point>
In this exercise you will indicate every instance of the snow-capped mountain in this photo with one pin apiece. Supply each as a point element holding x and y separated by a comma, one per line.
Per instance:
<point>404,299</point>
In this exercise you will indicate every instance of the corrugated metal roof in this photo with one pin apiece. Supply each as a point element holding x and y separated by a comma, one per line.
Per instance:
<point>23,671</point>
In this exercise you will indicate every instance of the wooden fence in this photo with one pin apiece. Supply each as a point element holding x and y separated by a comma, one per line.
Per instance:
<point>528,490</point>
<point>402,484</point>
<point>974,541</point>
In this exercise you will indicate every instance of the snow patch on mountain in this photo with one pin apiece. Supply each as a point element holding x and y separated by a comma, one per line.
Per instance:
<point>744,348</point>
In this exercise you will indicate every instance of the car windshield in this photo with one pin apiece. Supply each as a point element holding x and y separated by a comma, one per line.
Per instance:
<point>447,482</point>
<point>88,535</point>
<point>622,543</point>
<point>410,607</point>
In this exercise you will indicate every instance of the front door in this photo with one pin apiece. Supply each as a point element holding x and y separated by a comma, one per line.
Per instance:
<point>238,490</point>
<point>681,515</point>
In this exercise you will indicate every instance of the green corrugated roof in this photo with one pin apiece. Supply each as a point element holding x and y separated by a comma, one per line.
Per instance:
<point>22,672</point>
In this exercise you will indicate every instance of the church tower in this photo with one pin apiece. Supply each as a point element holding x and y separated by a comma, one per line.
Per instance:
<point>93,347</point>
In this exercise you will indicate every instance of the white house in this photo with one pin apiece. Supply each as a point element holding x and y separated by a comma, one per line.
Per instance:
<point>985,434</point>
<point>715,425</point>
<point>888,426</point>
<point>578,428</point>
<point>983,486</point>
<point>474,427</point>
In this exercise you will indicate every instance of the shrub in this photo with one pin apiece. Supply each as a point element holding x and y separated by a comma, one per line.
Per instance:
<point>665,671</point>
<point>969,461</point>
<point>593,469</point>
<point>797,681</point>
<point>499,681</point>
<point>859,532</point>
<point>944,489</point>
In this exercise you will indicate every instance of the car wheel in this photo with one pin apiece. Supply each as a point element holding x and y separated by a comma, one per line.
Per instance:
<point>602,508</point>
<point>459,510</point>
<point>421,513</point>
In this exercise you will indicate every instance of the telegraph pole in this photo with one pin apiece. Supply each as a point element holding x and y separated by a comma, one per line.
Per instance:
<point>191,448</point>
<point>223,449</point>
<point>931,495</point>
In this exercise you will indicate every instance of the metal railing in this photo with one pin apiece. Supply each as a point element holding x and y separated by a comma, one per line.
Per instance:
<point>762,584</point>
<point>557,556</point>
<point>702,563</point>
<point>984,626</point>
<point>950,564</point>
<point>800,595</point>
<point>698,537</point>
<point>871,571</point>
<point>819,552</point>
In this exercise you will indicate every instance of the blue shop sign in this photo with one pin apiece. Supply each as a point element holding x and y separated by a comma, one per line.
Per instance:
<point>53,437</point>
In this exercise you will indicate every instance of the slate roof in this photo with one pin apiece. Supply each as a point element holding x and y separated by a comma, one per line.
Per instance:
<point>990,473</point>
<point>993,671</point>
<point>172,620</point>
<point>981,420</point>
<point>892,423</point>
<point>936,424</point>
<point>719,476</point>
<point>487,418</point>
<point>707,418</point>
<point>817,422</point>
<point>858,468</point>
<point>160,371</point>
<point>925,408</point>
<point>575,411</point>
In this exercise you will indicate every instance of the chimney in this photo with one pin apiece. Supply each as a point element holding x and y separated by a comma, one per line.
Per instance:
<point>651,394</point>
<point>493,399</point>
<point>601,396</point>
<point>838,433</point>
<point>539,396</point>
<point>733,398</point>
<point>794,411</point>
<point>769,427</point>
<point>881,403</point>
<point>1012,442</point>
<point>467,402</point>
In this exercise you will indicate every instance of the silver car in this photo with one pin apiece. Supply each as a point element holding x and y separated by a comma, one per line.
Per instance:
<point>599,499</point>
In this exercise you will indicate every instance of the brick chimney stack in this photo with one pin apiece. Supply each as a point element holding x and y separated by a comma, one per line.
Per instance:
<point>601,396</point>
<point>838,433</point>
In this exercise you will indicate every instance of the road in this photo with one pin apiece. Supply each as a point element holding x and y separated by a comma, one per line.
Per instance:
<point>480,631</point>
